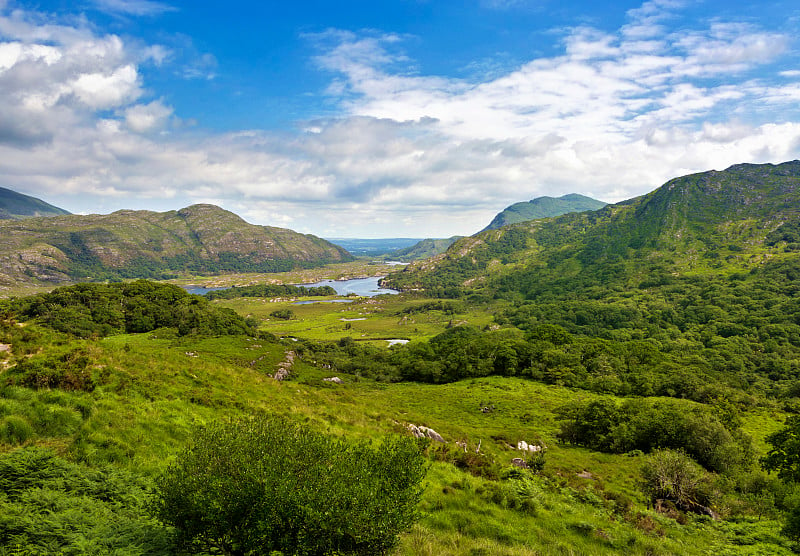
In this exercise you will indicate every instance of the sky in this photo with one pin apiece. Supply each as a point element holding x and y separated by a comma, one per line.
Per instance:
<point>398,118</point>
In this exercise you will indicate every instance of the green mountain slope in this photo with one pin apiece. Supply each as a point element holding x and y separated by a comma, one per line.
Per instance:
<point>543,207</point>
<point>707,223</point>
<point>141,244</point>
<point>15,206</point>
<point>424,249</point>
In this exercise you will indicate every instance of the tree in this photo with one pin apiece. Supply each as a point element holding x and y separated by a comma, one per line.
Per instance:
<point>267,484</point>
<point>672,475</point>
<point>784,456</point>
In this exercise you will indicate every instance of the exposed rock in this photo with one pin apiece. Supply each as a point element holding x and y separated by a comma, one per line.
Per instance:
<point>335,379</point>
<point>525,447</point>
<point>284,367</point>
<point>585,475</point>
<point>519,462</point>
<point>425,432</point>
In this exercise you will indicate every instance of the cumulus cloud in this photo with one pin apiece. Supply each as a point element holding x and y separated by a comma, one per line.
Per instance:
<point>615,114</point>
<point>142,118</point>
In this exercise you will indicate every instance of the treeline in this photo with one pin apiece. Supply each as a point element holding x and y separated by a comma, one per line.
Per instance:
<point>86,310</point>
<point>549,353</point>
<point>270,290</point>
<point>633,331</point>
<point>711,435</point>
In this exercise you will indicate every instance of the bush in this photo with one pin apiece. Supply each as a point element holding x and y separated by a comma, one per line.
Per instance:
<point>284,314</point>
<point>261,485</point>
<point>15,430</point>
<point>49,505</point>
<point>673,476</point>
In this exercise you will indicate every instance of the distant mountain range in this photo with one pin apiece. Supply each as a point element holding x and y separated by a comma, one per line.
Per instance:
<point>543,207</point>
<point>709,223</point>
<point>424,249</point>
<point>145,244</point>
<point>372,247</point>
<point>15,206</point>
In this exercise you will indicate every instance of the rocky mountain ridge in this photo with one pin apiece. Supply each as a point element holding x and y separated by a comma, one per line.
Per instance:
<point>144,244</point>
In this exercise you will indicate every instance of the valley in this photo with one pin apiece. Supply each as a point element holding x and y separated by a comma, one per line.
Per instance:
<point>651,342</point>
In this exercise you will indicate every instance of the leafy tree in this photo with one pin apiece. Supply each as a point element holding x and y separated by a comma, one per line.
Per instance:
<point>673,476</point>
<point>784,455</point>
<point>266,484</point>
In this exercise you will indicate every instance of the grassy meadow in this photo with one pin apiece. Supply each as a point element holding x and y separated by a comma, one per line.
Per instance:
<point>153,389</point>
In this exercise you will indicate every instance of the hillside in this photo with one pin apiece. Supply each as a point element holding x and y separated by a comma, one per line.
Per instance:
<point>141,244</point>
<point>424,249</point>
<point>15,206</point>
<point>710,222</point>
<point>543,207</point>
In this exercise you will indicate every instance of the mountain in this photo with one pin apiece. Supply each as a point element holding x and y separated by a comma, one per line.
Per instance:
<point>424,249</point>
<point>707,223</point>
<point>15,206</point>
<point>544,207</point>
<point>142,244</point>
<point>372,247</point>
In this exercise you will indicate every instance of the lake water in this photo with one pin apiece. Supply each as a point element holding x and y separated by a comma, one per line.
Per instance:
<point>364,287</point>
<point>199,290</point>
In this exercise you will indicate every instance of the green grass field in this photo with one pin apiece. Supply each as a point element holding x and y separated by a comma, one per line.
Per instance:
<point>155,389</point>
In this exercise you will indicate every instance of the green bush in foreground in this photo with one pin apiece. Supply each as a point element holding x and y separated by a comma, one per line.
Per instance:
<point>262,485</point>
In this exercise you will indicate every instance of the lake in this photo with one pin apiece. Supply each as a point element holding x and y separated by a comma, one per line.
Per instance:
<point>364,287</point>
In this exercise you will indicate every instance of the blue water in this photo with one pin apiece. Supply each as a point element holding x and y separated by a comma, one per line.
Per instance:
<point>199,290</point>
<point>364,287</point>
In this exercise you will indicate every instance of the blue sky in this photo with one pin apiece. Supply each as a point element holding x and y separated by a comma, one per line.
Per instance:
<point>406,118</point>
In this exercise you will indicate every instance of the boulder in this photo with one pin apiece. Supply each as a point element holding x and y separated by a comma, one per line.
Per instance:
<point>425,432</point>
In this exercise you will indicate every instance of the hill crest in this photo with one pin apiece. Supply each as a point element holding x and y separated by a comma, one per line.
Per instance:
<point>543,207</point>
<point>146,244</point>
<point>15,206</point>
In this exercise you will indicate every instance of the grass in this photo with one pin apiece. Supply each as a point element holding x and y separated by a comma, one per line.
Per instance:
<point>366,319</point>
<point>154,391</point>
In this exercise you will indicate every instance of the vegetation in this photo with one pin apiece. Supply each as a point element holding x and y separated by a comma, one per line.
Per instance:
<point>141,306</point>
<point>143,244</point>
<point>49,505</point>
<point>15,205</point>
<point>270,290</point>
<point>423,249</point>
<point>543,207</point>
<point>263,485</point>
<point>601,383</point>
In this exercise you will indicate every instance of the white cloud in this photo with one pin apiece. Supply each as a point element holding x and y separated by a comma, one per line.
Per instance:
<point>142,118</point>
<point>133,7</point>
<point>615,114</point>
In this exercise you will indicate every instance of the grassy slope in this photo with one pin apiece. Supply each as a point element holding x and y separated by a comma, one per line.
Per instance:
<point>543,207</point>
<point>716,221</point>
<point>156,390</point>
<point>144,243</point>
<point>16,205</point>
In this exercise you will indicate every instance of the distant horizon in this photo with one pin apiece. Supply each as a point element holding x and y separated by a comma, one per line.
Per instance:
<point>400,118</point>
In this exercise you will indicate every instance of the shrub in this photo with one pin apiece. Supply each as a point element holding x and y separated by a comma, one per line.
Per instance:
<point>673,476</point>
<point>261,485</point>
<point>49,505</point>
<point>15,430</point>
<point>284,314</point>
